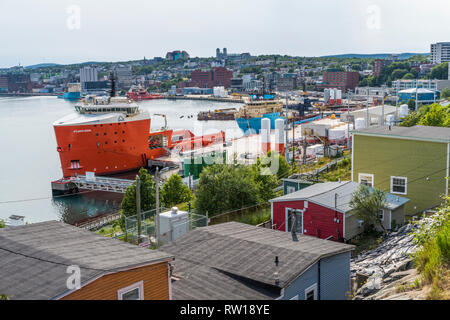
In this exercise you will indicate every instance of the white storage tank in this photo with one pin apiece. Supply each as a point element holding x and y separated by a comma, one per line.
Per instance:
<point>173,224</point>
<point>336,133</point>
<point>360,123</point>
<point>404,110</point>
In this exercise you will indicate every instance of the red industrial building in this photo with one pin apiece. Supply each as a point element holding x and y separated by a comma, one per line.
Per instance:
<point>219,76</point>
<point>323,210</point>
<point>15,83</point>
<point>342,80</point>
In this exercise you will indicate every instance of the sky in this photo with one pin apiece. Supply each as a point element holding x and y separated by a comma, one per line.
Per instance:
<point>61,31</point>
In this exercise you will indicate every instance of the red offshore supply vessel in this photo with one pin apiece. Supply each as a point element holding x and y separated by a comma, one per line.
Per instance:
<point>139,94</point>
<point>108,135</point>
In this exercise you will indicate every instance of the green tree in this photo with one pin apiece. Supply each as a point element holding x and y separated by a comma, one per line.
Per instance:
<point>148,198</point>
<point>2,224</point>
<point>411,104</point>
<point>225,187</point>
<point>174,191</point>
<point>445,93</point>
<point>265,180</point>
<point>436,116</point>
<point>278,163</point>
<point>439,72</point>
<point>408,76</point>
<point>410,120</point>
<point>367,204</point>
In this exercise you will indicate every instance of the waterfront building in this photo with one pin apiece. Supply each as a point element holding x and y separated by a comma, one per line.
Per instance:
<point>324,212</point>
<point>220,76</point>
<point>123,75</point>
<point>88,74</point>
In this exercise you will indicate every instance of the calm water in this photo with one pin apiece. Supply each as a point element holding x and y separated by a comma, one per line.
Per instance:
<point>29,160</point>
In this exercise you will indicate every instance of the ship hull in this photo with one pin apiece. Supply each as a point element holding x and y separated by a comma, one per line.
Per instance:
<point>253,125</point>
<point>72,95</point>
<point>103,148</point>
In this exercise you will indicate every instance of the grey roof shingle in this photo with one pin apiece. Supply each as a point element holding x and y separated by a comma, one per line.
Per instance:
<point>439,134</point>
<point>34,258</point>
<point>231,251</point>
<point>324,194</point>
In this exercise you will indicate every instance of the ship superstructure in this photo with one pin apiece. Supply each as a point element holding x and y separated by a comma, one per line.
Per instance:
<point>249,116</point>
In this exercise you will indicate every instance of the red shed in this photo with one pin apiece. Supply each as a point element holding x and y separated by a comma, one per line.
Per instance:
<point>324,211</point>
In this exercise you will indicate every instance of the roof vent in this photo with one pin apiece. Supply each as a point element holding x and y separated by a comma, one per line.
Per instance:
<point>174,210</point>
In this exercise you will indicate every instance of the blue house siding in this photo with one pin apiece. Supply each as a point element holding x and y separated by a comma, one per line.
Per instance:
<point>298,287</point>
<point>335,277</point>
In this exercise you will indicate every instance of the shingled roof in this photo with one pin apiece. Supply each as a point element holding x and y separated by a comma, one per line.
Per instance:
<point>34,258</point>
<point>242,257</point>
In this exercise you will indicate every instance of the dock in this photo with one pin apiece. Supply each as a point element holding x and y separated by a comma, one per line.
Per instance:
<point>206,98</point>
<point>72,184</point>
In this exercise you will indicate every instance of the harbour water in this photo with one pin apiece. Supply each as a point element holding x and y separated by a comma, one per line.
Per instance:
<point>29,160</point>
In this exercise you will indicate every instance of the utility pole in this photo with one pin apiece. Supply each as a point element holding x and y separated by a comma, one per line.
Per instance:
<point>367,109</point>
<point>286,129</point>
<point>382,109</point>
<point>158,229</point>
<point>417,95</point>
<point>348,119</point>
<point>396,111</point>
<point>138,206</point>
<point>293,141</point>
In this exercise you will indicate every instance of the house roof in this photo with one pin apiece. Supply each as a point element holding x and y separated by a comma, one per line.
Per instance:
<point>243,258</point>
<point>324,195</point>
<point>438,134</point>
<point>34,258</point>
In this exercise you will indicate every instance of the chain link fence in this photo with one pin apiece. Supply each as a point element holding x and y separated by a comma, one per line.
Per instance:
<point>172,226</point>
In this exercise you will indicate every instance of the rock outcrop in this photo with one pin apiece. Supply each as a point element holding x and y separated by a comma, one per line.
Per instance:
<point>387,267</point>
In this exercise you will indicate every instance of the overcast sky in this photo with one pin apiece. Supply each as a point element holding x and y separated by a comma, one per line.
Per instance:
<point>61,31</point>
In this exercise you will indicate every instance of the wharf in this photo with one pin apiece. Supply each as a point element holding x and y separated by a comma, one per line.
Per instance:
<point>205,98</point>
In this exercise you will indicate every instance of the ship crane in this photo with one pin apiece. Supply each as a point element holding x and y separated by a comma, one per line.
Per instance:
<point>165,120</point>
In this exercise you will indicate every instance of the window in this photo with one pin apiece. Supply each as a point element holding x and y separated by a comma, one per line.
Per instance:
<point>366,179</point>
<point>132,292</point>
<point>398,185</point>
<point>311,292</point>
<point>381,215</point>
<point>290,189</point>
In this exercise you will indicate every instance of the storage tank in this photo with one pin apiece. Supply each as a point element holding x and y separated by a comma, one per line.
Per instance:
<point>265,135</point>
<point>360,123</point>
<point>279,136</point>
<point>404,110</point>
<point>337,135</point>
